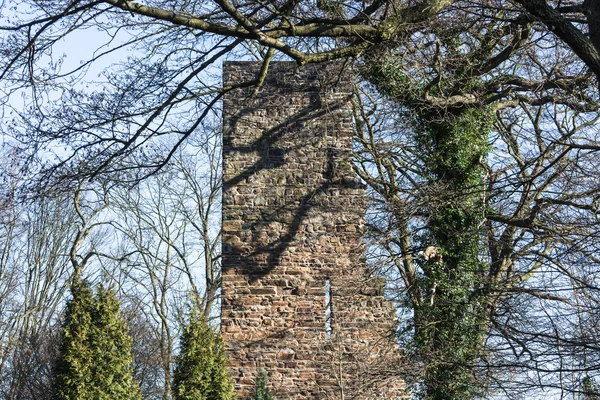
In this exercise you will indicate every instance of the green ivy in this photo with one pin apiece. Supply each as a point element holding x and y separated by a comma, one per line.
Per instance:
<point>453,146</point>
<point>451,327</point>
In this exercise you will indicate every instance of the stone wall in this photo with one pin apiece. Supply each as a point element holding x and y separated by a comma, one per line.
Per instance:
<point>296,297</point>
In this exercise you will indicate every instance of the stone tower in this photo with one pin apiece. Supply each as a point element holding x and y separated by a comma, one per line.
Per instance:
<point>296,297</point>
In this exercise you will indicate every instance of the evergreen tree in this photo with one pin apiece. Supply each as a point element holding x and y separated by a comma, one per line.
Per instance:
<point>262,386</point>
<point>201,371</point>
<point>590,389</point>
<point>95,360</point>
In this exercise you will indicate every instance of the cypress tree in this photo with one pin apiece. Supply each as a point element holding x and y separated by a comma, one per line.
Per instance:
<point>590,389</point>
<point>201,371</point>
<point>95,360</point>
<point>262,386</point>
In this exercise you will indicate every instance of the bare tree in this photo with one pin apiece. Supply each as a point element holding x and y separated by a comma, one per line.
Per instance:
<point>169,226</point>
<point>529,63</point>
<point>167,86</point>
<point>35,272</point>
<point>537,237</point>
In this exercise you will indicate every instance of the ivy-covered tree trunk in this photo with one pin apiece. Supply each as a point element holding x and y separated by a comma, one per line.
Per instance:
<point>450,310</point>
<point>201,371</point>
<point>450,325</point>
<point>95,360</point>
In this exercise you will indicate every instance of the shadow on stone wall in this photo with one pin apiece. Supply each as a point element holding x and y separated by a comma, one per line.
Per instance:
<point>293,219</point>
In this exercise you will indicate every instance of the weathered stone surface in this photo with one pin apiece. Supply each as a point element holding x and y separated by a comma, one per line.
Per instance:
<point>293,224</point>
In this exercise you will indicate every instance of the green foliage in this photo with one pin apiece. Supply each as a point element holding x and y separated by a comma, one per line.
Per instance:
<point>201,371</point>
<point>451,327</point>
<point>454,149</point>
<point>590,389</point>
<point>390,78</point>
<point>453,153</point>
<point>453,146</point>
<point>95,360</point>
<point>262,386</point>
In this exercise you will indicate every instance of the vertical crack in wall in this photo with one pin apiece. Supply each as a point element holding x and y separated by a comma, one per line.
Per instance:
<point>293,219</point>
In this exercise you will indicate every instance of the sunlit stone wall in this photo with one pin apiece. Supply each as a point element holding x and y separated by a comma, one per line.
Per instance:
<point>296,297</point>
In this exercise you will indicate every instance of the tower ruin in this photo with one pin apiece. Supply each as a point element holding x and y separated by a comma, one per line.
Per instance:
<point>297,299</point>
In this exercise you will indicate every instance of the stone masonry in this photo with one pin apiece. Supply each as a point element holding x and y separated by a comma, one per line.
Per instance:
<point>297,299</point>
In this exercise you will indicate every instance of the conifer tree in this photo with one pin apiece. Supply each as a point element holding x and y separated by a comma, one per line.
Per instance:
<point>201,371</point>
<point>95,360</point>
<point>590,389</point>
<point>262,386</point>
